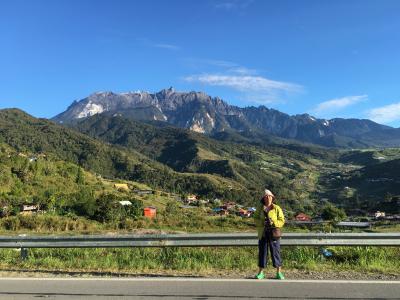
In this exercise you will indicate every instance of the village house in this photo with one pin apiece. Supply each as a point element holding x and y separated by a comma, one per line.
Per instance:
<point>251,209</point>
<point>29,209</point>
<point>150,212</point>
<point>204,201</point>
<point>220,211</point>
<point>191,199</point>
<point>143,192</point>
<point>42,155</point>
<point>224,213</point>
<point>229,205</point>
<point>244,213</point>
<point>302,217</point>
<point>379,215</point>
<point>33,159</point>
<point>216,201</point>
<point>4,210</point>
<point>121,186</point>
<point>217,210</point>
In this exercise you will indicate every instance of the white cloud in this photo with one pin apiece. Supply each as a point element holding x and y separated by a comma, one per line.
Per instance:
<point>149,43</point>
<point>257,88</point>
<point>244,83</point>
<point>218,63</point>
<point>227,66</point>
<point>167,46</point>
<point>385,114</point>
<point>338,104</point>
<point>199,62</point>
<point>233,4</point>
<point>226,5</point>
<point>243,70</point>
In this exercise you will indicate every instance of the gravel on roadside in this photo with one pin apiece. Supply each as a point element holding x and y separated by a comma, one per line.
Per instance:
<point>289,274</point>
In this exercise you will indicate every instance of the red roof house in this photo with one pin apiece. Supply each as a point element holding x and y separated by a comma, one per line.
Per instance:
<point>150,212</point>
<point>302,217</point>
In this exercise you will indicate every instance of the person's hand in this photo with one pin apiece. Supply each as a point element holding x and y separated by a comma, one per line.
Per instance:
<point>265,208</point>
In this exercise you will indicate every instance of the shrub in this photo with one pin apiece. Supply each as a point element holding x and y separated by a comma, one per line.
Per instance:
<point>332,213</point>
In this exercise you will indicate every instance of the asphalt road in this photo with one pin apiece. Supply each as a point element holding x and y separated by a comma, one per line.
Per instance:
<point>198,289</point>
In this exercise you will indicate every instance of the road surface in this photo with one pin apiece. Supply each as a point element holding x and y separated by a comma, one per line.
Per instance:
<point>191,288</point>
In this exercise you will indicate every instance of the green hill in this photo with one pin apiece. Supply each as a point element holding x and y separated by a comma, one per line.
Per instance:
<point>369,156</point>
<point>367,183</point>
<point>58,187</point>
<point>28,134</point>
<point>282,167</point>
<point>71,199</point>
<point>181,161</point>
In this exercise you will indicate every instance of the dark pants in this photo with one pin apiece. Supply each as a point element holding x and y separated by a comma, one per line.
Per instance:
<point>274,247</point>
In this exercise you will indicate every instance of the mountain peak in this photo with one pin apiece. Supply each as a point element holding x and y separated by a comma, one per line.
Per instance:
<point>167,92</point>
<point>200,112</point>
<point>102,93</point>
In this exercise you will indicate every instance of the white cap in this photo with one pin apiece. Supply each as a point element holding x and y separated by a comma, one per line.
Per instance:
<point>268,193</point>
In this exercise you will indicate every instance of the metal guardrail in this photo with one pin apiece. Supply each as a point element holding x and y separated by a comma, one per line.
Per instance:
<point>198,240</point>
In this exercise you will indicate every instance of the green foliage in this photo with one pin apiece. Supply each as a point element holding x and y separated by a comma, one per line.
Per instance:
<point>82,203</point>
<point>202,261</point>
<point>332,213</point>
<point>172,208</point>
<point>80,177</point>
<point>108,209</point>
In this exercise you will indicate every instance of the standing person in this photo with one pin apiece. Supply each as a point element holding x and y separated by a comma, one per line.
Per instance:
<point>268,217</point>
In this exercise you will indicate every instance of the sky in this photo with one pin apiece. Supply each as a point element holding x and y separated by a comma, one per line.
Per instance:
<point>326,58</point>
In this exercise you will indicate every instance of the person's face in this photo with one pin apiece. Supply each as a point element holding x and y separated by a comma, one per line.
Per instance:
<point>268,200</point>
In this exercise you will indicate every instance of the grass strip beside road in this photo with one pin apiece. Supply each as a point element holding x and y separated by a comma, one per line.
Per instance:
<point>200,261</point>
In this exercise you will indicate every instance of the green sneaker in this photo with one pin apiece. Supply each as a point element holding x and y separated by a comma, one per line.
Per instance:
<point>260,275</point>
<point>280,276</point>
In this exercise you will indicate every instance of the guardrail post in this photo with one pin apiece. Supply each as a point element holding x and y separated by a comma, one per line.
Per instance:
<point>24,253</point>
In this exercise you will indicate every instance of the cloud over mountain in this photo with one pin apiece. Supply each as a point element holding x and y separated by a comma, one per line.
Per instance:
<point>385,114</point>
<point>338,104</point>
<point>263,90</point>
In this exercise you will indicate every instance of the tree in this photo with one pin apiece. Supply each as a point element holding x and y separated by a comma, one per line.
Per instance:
<point>135,210</point>
<point>172,208</point>
<point>108,209</point>
<point>83,202</point>
<point>332,213</point>
<point>80,177</point>
<point>106,205</point>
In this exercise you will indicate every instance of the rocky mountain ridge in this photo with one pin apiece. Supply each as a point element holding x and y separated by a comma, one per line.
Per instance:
<point>202,113</point>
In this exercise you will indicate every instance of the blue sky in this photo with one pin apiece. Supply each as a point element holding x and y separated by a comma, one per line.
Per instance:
<point>327,58</point>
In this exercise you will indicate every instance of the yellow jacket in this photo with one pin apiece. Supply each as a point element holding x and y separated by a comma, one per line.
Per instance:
<point>275,215</point>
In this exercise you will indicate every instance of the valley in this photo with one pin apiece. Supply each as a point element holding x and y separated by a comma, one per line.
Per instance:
<point>176,162</point>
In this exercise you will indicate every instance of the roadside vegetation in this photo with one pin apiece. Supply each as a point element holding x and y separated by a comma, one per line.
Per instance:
<point>201,261</point>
